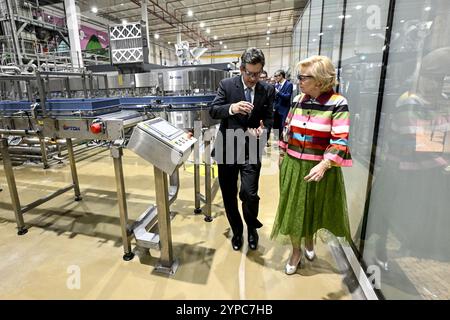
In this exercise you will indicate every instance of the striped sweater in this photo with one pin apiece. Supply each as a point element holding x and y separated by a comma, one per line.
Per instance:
<point>319,129</point>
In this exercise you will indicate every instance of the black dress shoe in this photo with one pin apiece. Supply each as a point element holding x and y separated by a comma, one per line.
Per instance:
<point>236,242</point>
<point>253,239</point>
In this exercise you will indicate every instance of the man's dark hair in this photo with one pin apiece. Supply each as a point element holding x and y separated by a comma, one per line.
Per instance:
<point>264,72</point>
<point>281,72</point>
<point>253,56</point>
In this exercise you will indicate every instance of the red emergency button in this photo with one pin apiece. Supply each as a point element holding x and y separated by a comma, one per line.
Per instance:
<point>96,127</point>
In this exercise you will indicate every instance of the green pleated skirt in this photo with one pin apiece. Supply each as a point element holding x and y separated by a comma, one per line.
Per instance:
<point>307,207</point>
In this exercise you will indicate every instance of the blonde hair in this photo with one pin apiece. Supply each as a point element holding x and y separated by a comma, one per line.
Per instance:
<point>322,69</point>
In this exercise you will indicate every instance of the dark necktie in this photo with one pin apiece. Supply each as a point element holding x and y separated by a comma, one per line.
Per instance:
<point>248,94</point>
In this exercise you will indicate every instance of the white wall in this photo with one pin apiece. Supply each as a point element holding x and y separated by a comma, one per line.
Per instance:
<point>277,58</point>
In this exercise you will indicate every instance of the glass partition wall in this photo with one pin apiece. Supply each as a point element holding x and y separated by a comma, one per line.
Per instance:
<point>393,63</point>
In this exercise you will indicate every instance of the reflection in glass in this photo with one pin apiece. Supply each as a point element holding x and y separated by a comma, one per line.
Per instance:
<point>305,32</point>
<point>360,81</point>
<point>409,215</point>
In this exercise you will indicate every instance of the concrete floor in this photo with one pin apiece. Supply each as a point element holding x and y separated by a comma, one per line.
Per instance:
<point>73,249</point>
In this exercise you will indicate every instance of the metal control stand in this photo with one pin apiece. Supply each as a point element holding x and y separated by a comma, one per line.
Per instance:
<point>165,195</point>
<point>166,147</point>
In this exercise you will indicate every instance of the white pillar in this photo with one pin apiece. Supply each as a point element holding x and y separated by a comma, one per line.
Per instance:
<point>144,13</point>
<point>74,36</point>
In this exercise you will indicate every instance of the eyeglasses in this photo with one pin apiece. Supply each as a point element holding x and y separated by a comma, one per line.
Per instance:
<point>303,77</point>
<point>252,74</point>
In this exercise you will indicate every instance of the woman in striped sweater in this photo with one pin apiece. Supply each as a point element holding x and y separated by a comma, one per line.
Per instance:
<point>315,147</point>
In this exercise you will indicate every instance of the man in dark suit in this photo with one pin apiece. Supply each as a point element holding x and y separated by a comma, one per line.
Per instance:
<point>244,106</point>
<point>282,104</point>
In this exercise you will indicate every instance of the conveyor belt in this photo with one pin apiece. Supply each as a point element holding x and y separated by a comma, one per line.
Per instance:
<point>65,107</point>
<point>101,106</point>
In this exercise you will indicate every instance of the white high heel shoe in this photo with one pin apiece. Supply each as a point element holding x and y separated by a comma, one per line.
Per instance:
<point>310,255</point>
<point>291,269</point>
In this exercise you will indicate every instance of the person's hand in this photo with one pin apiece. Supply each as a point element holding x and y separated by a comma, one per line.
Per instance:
<point>189,134</point>
<point>242,107</point>
<point>257,132</point>
<point>317,172</point>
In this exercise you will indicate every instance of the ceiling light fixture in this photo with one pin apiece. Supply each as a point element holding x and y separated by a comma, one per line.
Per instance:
<point>94,9</point>
<point>202,24</point>
<point>156,36</point>
<point>190,13</point>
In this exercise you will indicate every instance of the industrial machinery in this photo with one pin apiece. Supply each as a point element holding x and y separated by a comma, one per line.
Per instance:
<point>65,107</point>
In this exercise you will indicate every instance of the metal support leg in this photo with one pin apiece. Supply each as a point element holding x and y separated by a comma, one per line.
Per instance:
<point>9,173</point>
<point>43,153</point>
<point>167,264</point>
<point>73,169</point>
<point>116,153</point>
<point>68,93</point>
<point>91,85</point>
<point>83,81</point>
<point>208,186</point>
<point>106,85</point>
<point>197,196</point>
<point>29,92</point>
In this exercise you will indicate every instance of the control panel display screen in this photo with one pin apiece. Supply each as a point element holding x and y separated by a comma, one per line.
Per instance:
<point>165,128</point>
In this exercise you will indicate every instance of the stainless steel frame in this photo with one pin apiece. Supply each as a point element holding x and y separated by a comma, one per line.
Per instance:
<point>9,172</point>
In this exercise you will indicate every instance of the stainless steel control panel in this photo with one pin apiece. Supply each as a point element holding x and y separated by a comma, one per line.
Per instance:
<point>162,144</point>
